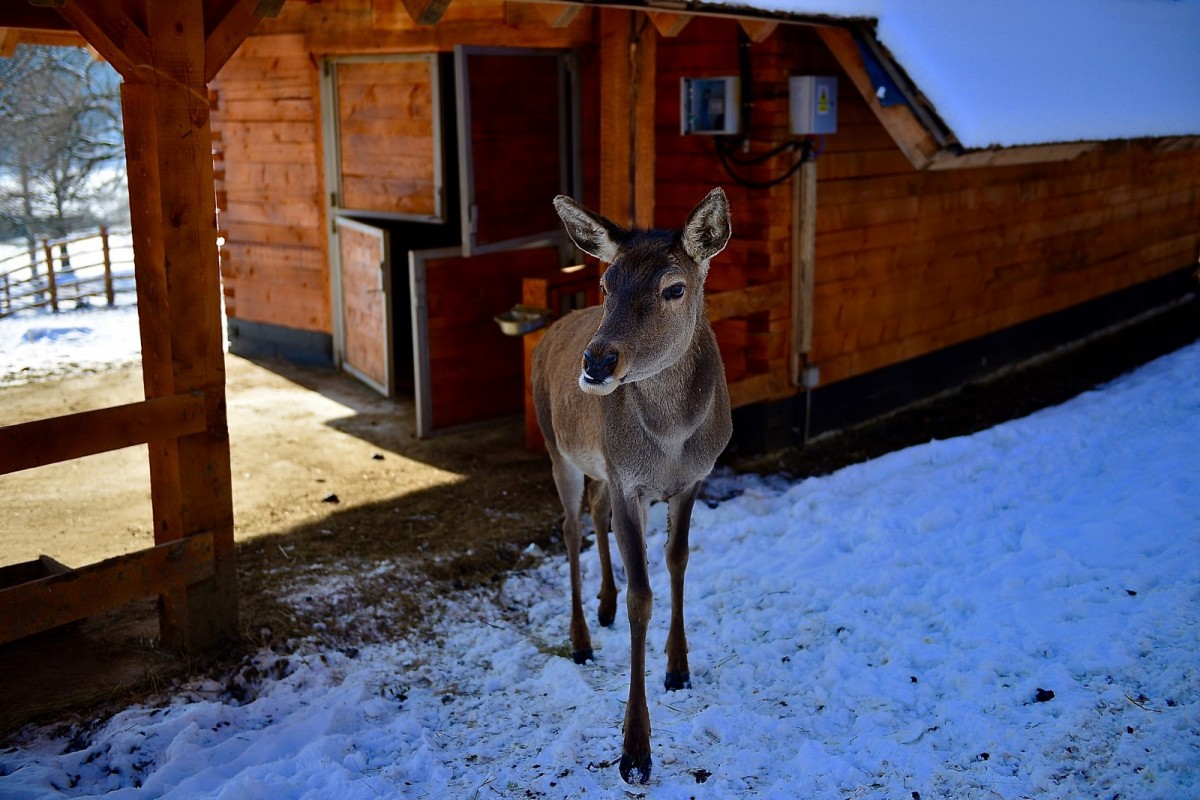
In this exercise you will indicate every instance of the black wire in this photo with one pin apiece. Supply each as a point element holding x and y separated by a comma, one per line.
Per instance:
<point>731,152</point>
<point>806,150</point>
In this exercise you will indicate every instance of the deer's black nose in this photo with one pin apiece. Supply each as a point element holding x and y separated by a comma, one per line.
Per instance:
<point>598,370</point>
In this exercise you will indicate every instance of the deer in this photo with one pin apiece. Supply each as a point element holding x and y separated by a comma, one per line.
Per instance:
<point>631,399</point>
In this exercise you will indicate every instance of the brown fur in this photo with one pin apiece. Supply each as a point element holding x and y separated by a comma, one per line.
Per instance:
<point>644,415</point>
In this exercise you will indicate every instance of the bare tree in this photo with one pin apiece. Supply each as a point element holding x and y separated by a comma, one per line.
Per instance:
<point>62,153</point>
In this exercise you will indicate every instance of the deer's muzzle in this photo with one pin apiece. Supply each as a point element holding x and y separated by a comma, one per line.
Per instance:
<point>598,368</point>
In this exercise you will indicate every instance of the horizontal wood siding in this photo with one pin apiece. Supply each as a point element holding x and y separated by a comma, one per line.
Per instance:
<point>907,262</point>
<point>267,124</point>
<point>910,262</point>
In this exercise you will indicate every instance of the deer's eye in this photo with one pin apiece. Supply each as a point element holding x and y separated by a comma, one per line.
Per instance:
<point>673,292</point>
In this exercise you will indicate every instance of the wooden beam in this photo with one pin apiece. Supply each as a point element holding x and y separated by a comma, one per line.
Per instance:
<point>669,23</point>
<point>24,15</point>
<point>758,29</point>
<point>11,37</point>
<point>47,441</point>
<point>628,46</point>
<point>43,604</point>
<point>113,33</point>
<point>804,245</point>
<point>917,144</point>
<point>559,15</point>
<point>426,12</point>
<point>172,208</point>
<point>1012,156</point>
<point>229,33</point>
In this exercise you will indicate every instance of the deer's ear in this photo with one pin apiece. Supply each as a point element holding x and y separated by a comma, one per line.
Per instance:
<point>707,230</point>
<point>592,233</point>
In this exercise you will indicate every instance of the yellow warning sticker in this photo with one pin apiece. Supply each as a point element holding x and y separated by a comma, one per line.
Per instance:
<point>823,104</point>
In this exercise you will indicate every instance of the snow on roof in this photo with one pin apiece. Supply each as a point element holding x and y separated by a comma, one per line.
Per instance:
<point>1026,72</point>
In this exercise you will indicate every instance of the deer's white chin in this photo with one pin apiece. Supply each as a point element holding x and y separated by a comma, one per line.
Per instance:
<point>604,387</point>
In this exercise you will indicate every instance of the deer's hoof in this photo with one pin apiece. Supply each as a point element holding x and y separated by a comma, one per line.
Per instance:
<point>635,769</point>
<point>607,617</point>
<point>583,655</point>
<point>677,680</point>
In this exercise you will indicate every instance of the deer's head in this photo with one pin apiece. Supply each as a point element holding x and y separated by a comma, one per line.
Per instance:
<point>653,289</point>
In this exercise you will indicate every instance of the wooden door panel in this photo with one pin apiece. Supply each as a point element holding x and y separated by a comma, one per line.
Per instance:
<point>364,277</point>
<point>514,147</point>
<point>388,132</point>
<point>467,370</point>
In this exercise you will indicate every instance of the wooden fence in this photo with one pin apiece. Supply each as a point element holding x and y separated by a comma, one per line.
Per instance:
<point>68,272</point>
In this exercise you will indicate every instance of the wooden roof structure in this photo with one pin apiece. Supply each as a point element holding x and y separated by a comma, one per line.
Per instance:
<point>166,53</point>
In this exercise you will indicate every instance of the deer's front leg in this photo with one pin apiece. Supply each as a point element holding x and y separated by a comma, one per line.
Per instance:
<point>629,525</point>
<point>679,520</point>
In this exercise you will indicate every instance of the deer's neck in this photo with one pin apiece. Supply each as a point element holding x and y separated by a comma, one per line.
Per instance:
<point>680,398</point>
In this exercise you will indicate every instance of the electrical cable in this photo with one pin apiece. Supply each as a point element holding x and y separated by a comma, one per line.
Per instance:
<point>806,154</point>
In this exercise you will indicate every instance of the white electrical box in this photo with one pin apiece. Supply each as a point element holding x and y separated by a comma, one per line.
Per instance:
<point>813,100</point>
<point>710,105</point>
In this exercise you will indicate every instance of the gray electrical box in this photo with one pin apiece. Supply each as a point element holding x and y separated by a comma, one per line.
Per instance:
<point>813,100</point>
<point>710,105</point>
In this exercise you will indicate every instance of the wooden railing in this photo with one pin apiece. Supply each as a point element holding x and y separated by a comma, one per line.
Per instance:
<point>68,272</point>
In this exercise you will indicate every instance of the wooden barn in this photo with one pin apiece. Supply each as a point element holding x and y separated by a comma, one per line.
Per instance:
<point>385,170</point>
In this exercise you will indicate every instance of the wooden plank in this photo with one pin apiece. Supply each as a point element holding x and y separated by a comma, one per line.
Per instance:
<point>47,441</point>
<point>559,15</point>
<point>804,243</point>
<point>110,30</point>
<point>387,137</point>
<point>758,29</point>
<point>627,147</point>
<point>228,33</point>
<point>365,313</point>
<point>461,296</point>
<point>1010,156</point>
<point>426,12</point>
<point>748,300</point>
<point>40,605</point>
<point>909,134</point>
<point>190,478</point>
<point>669,23</point>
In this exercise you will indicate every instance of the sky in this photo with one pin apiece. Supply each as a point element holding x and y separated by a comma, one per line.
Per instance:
<point>1010,614</point>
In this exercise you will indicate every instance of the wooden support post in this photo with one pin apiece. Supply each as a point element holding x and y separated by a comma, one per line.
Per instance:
<point>804,239</point>
<point>51,282</point>
<point>172,208</point>
<point>628,45</point>
<point>107,256</point>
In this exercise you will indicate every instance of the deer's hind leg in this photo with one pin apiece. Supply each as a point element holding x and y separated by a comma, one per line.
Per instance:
<point>602,517</point>
<point>569,481</point>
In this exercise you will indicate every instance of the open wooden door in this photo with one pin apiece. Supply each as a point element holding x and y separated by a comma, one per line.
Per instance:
<point>466,369</point>
<point>517,146</point>
<point>383,162</point>
<point>366,313</point>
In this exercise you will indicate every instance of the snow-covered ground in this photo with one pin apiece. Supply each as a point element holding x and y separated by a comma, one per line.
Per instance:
<point>1013,614</point>
<point>36,345</point>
